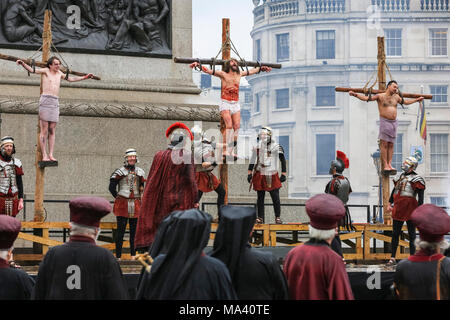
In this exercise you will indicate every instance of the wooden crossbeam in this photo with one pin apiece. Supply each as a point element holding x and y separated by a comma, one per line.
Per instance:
<point>112,246</point>
<point>41,64</point>
<point>222,61</point>
<point>374,91</point>
<point>40,240</point>
<point>384,238</point>
<point>350,235</point>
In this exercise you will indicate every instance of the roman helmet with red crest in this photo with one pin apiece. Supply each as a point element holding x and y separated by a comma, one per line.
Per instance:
<point>178,134</point>
<point>341,162</point>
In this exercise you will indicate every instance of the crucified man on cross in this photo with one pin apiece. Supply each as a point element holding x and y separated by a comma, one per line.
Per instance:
<point>230,109</point>
<point>387,108</point>
<point>49,101</point>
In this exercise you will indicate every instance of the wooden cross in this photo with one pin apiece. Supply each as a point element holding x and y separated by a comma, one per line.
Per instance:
<point>226,55</point>
<point>381,89</point>
<point>40,165</point>
<point>40,171</point>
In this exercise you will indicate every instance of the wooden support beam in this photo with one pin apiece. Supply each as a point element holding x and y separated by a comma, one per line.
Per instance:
<point>37,239</point>
<point>43,64</point>
<point>226,54</point>
<point>382,86</point>
<point>39,210</point>
<point>222,61</point>
<point>374,91</point>
<point>44,164</point>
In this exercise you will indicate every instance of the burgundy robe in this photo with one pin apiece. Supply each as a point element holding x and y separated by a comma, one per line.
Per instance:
<point>171,187</point>
<point>315,272</point>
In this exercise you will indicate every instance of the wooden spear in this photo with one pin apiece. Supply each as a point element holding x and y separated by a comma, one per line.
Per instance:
<point>43,65</point>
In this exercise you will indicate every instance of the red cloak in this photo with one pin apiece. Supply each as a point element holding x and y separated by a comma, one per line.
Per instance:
<point>315,272</point>
<point>170,187</point>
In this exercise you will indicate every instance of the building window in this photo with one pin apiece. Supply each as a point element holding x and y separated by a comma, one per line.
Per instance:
<point>325,152</point>
<point>325,44</point>
<point>284,142</point>
<point>282,96</point>
<point>283,47</point>
<point>257,102</point>
<point>439,201</point>
<point>325,96</point>
<point>393,42</point>
<point>439,152</point>
<point>439,94</point>
<point>438,42</point>
<point>397,156</point>
<point>258,50</point>
<point>205,81</point>
<point>247,97</point>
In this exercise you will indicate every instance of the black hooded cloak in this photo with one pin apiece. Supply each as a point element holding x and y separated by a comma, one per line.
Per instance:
<point>256,275</point>
<point>181,271</point>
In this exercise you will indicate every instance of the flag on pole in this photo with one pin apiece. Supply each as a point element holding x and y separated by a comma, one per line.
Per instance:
<point>423,122</point>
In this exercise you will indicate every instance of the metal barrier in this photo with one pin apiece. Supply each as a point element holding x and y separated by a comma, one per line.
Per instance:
<point>253,204</point>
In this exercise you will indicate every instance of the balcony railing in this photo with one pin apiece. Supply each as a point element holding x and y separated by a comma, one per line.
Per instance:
<point>392,5</point>
<point>283,9</point>
<point>325,6</point>
<point>258,13</point>
<point>434,5</point>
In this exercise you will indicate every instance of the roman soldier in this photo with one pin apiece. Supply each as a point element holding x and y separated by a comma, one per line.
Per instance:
<point>171,184</point>
<point>205,163</point>
<point>340,187</point>
<point>11,185</point>
<point>130,179</point>
<point>407,187</point>
<point>263,172</point>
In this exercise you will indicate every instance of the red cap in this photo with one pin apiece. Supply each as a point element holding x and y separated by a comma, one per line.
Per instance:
<point>432,221</point>
<point>88,211</point>
<point>9,229</point>
<point>324,211</point>
<point>177,125</point>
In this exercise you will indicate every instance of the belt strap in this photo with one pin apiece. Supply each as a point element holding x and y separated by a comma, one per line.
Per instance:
<point>438,279</point>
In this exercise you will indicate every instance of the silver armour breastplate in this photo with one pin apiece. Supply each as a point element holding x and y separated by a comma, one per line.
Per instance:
<point>267,160</point>
<point>207,154</point>
<point>129,183</point>
<point>8,177</point>
<point>404,187</point>
<point>343,190</point>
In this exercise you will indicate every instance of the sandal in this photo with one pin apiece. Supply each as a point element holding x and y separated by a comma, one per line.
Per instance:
<point>259,221</point>
<point>278,220</point>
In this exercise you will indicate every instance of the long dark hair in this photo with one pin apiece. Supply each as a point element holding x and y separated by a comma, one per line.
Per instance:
<point>227,66</point>
<point>391,82</point>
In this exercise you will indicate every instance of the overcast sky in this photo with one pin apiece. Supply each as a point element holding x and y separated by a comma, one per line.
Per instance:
<point>207,18</point>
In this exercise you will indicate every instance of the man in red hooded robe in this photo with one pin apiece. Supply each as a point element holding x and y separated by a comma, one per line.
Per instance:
<point>171,185</point>
<point>313,270</point>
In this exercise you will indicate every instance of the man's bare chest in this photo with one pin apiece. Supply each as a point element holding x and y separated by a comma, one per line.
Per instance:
<point>389,102</point>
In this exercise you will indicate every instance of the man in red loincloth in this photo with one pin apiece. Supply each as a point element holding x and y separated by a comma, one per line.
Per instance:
<point>230,109</point>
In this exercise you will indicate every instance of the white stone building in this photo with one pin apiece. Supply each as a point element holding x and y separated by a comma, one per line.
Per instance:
<point>327,43</point>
